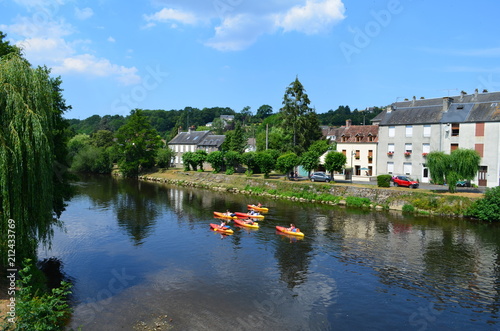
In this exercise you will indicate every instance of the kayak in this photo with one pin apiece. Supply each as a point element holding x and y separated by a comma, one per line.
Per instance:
<point>255,225</point>
<point>215,227</point>
<point>245,215</point>
<point>254,207</point>
<point>285,230</point>
<point>223,215</point>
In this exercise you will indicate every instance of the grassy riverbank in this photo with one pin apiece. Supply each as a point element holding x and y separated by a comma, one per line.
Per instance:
<point>356,195</point>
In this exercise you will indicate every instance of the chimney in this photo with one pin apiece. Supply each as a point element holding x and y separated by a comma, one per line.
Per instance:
<point>446,103</point>
<point>348,123</point>
<point>389,109</point>
<point>191,128</point>
<point>413,101</point>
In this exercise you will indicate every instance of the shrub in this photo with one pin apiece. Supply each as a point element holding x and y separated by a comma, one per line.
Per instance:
<point>357,202</point>
<point>36,311</point>
<point>407,208</point>
<point>230,171</point>
<point>384,180</point>
<point>487,208</point>
<point>92,159</point>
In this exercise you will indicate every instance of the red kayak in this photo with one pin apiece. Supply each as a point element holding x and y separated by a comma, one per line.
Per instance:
<point>253,225</point>
<point>246,215</point>
<point>285,230</point>
<point>225,230</point>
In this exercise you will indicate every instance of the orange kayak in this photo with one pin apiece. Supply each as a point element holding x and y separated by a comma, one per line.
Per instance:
<point>216,227</point>
<point>285,230</point>
<point>254,207</point>
<point>223,215</point>
<point>253,225</point>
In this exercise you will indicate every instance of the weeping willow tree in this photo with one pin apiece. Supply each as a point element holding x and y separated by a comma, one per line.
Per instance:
<point>450,168</point>
<point>27,118</point>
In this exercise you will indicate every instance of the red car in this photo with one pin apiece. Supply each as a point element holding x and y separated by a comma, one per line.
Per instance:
<point>404,181</point>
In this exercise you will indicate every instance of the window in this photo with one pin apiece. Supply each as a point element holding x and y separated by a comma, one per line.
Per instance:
<point>358,138</point>
<point>480,149</point>
<point>427,130</point>
<point>390,167</point>
<point>344,152</point>
<point>409,130</point>
<point>390,148</point>
<point>357,154</point>
<point>392,131</point>
<point>408,148</point>
<point>479,129</point>
<point>453,147</point>
<point>370,156</point>
<point>455,129</point>
<point>426,149</point>
<point>407,168</point>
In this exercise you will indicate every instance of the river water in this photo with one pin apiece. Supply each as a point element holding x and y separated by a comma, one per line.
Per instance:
<point>142,255</point>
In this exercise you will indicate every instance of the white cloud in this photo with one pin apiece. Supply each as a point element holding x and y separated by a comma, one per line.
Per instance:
<point>170,15</point>
<point>243,22</point>
<point>238,32</point>
<point>111,39</point>
<point>313,17</point>
<point>83,14</point>
<point>91,65</point>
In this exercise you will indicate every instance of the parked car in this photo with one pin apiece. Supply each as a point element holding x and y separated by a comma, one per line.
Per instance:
<point>320,177</point>
<point>404,181</point>
<point>463,183</point>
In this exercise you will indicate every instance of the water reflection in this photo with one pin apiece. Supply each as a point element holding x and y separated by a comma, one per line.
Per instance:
<point>355,269</point>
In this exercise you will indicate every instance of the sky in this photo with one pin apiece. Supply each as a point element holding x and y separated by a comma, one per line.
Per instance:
<point>114,56</point>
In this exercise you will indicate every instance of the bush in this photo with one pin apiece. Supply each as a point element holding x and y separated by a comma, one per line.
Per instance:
<point>357,202</point>
<point>407,208</point>
<point>92,160</point>
<point>384,180</point>
<point>230,171</point>
<point>487,208</point>
<point>36,311</point>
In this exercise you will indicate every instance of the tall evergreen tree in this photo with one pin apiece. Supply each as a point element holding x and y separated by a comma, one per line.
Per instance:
<point>298,118</point>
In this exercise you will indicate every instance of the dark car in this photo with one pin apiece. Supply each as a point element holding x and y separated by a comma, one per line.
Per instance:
<point>404,181</point>
<point>320,177</point>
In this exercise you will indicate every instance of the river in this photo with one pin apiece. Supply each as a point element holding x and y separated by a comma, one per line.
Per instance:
<point>142,255</point>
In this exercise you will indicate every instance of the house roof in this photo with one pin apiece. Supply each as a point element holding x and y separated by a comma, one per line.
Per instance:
<point>189,138</point>
<point>212,140</point>
<point>359,134</point>
<point>477,107</point>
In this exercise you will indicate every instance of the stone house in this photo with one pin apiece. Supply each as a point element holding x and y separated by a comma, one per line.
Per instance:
<point>192,141</point>
<point>409,130</point>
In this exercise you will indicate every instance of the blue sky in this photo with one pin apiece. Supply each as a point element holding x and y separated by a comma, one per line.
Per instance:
<point>114,56</point>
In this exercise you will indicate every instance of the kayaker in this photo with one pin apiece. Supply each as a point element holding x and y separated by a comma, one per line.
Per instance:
<point>259,204</point>
<point>249,221</point>
<point>228,213</point>
<point>223,225</point>
<point>292,228</point>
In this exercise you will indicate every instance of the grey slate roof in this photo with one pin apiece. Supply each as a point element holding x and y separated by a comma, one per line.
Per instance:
<point>478,107</point>
<point>189,138</point>
<point>212,140</point>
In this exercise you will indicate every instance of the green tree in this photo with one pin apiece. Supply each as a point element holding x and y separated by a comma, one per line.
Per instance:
<point>249,159</point>
<point>266,162</point>
<point>164,157</point>
<point>91,159</point>
<point>232,160</point>
<point>285,163</point>
<point>299,118</point>
<point>335,161</point>
<point>199,157</point>
<point>76,144</point>
<point>264,111</point>
<point>7,48</point>
<point>30,167</point>
<point>188,161</point>
<point>450,168</point>
<point>102,138</point>
<point>310,161</point>
<point>138,142</point>
<point>216,160</point>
